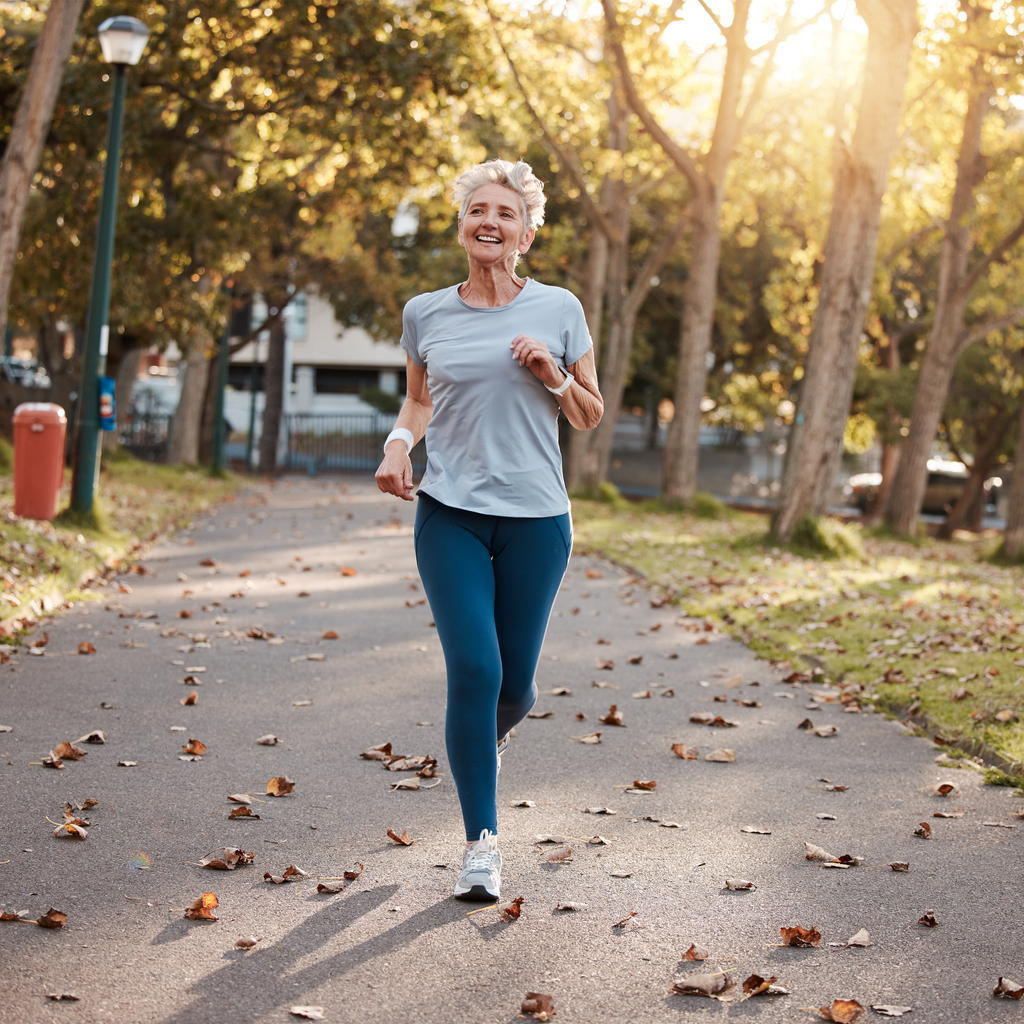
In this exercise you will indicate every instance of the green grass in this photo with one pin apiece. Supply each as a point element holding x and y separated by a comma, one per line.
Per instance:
<point>47,564</point>
<point>907,620</point>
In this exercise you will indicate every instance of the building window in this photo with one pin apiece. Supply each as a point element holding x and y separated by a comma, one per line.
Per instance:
<point>339,380</point>
<point>240,376</point>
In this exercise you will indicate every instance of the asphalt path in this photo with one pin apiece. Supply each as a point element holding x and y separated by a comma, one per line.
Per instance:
<point>394,945</point>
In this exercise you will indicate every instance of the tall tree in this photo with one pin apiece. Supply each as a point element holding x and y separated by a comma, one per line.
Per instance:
<point>705,170</point>
<point>28,132</point>
<point>816,437</point>
<point>995,58</point>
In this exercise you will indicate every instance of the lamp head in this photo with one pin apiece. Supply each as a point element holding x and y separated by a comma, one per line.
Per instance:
<point>123,39</point>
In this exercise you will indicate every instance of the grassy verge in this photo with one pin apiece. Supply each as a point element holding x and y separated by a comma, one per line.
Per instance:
<point>45,565</point>
<point>933,624</point>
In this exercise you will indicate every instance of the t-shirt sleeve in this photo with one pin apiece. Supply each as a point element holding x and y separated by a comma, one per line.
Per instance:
<point>410,339</point>
<point>573,330</point>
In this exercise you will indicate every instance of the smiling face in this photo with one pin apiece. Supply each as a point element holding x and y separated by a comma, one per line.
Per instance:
<point>492,230</point>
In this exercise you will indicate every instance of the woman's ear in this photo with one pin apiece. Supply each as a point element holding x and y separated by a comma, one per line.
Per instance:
<point>527,241</point>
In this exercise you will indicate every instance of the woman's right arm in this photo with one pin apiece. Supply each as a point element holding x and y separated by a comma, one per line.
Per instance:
<point>394,475</point>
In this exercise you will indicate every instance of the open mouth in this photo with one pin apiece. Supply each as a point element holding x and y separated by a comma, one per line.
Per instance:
<point>488,238</point>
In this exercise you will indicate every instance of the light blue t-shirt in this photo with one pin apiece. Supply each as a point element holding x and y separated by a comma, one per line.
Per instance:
<point>492,442</point>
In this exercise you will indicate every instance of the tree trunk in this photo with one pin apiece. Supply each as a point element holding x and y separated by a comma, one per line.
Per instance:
<point>1013,538</point>
<point>183,443</point>
<point>682,441</point>
<point>816,438</point>
<point>209,412</point>
<point>967,507</point>
<point>28,133</point>
<point>947,338</point>
<point>890,452</point>
<point>273,400</point>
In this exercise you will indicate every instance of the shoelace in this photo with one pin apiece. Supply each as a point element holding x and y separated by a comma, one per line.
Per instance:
<point>481,859</point>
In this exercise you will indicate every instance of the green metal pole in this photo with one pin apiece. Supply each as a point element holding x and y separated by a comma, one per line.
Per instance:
<point>86,469</point>
<point>217,462</point>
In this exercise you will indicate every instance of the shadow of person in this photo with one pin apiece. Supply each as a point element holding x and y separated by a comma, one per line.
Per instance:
<point>245,991</point>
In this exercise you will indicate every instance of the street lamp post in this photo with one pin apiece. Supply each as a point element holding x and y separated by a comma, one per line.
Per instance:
<point>122,39</point>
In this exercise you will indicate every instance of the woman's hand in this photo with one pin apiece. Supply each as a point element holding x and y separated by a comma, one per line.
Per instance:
<point>537,358</point>
<point>394,475</point>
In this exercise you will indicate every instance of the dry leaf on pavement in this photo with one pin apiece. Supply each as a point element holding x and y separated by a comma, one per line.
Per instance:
<point>598,810</point>
<point>755,985</point>
<point>594,574</point>
<point>561,855</point>
<point>685,753</point>
<point>927,920</point>
<point>330,634</point>
<point>240,798</point>
<point>724,755</point>
<point>756,831</point>
<point>924,830</point>
<point>825,731</point>
<point>800,937</point>
<point>382,752</point>
<point>68,752</point>
<point>243,812</point>
<point>696,952</point>
<point>625,921</point>
<point>192,698</point>
<point>269,740</point>
<point>325,887</point>
<point>195,747</point>
<point>1007,989</point>
<point>861,938</point>
<point>127,764</point>
<point>947,814</point>
<point>704,984</point>
<point>307,1012</point>
<point>280,785</point>
<point>14,915</point>
<point>816,853</point>
<point>613,717</point>
<point>58,919</point>
<point>888,1010</point>
<point>715,721</point>
<point>523,803</point>
<point>739,885</point>
<point>944,789</point>
<point>292,873</point>
<point>538,1005</point>
<point>202,908</point>
<point>246,942</point>
<point>512,911</point>
<point>352,873</point>
<point>842,1011</point>
<point>401,840</point>
<point>227,858</point>
<point>85,647</point>
<point>606,664</point>
<point>52,761</point>
<point>642,695</point>
<point>96,736</point>
<point>571,906</point>
<point>648,786</point>
<point>591,738</point>
<point>900,865</point>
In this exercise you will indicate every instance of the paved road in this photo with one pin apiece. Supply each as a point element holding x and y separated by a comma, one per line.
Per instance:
<point>395,946</point>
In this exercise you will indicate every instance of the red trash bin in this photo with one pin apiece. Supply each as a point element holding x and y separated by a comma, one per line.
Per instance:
<point>39,429</point>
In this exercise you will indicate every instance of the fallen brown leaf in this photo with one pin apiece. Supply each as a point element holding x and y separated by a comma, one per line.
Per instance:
<point>594,574</point>
<point>190,699</point>
<point>352,873</point>
<point>512,911</point>
<point>626,920</point>
<point>85,647</point>
<point>68,752</point>
<point>724,755</point>
<point>58,919</point>
<point>202,908</point>
<point>900,865</point>
<point>927,920</point>
<point>685,753</point>
<point>756,831</point>
<point>739,885</point>
<point>800,936</point>
<point>594,737</point>
<point>269,740</point>
<point>401,840</point>
<point>347,570</point>
<point>195,747</point>
<point>562,854</point>
<point>1007,989</point>
<point>598,810</point>
<point>538,1005</point>
<point>606,664</point>
<point>704,984</point>
<point>328,887</point>
<point>571,906</point>
<point>924,830</point>
<point>96,736</point>
<point>861,938</point>
<point>540,714</point>
<point>243,812</point>
<point>887,1010</point>
<point>378,753</point>
<point>649,786</point>
<point>696,952</point>
<point>247,942</point>
<point>280,785</point>
<point>842,1011</point>
<point>308,1012</point>
<point>226,858</point>
<point>330,634</point>
<point>825,731</point>
<point>523,803</point>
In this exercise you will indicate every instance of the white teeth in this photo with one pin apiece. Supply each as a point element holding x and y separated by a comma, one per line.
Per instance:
<point>487,238</point>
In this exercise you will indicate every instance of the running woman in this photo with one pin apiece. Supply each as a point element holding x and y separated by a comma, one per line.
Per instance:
<point>491,363</point>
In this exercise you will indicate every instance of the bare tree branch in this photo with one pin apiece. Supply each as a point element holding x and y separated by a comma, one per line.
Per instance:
<point>975,332</point>
<point>697,179</point>
<point>789,30</point>
<point>714,17</point>
<point>997,253</point>
<point>567,157</point>
<point>654,262</point>
<point>766,70</point>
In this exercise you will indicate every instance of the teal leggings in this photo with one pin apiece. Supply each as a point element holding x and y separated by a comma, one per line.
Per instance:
<point>491,582</point>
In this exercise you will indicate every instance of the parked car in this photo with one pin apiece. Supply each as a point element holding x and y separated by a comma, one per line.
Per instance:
<point>26,372</point>
<point>946,481</point>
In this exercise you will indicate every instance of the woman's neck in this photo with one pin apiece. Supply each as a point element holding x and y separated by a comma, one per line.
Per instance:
<point>490,286</point>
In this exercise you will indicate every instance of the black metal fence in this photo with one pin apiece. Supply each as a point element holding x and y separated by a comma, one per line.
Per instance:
<point>354,441</point>
<point>145,434</point>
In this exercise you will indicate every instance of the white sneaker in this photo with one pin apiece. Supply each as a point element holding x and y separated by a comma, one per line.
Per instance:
<point>502,746</point>
<point>480,878</point>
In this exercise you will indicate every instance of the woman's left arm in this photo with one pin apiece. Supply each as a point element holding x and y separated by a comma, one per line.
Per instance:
<point>581,401</point>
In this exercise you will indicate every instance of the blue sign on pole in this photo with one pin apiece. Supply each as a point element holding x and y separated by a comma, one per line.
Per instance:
<point>108,413</point>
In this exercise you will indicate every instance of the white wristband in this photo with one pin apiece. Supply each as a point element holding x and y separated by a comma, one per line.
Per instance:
<point>400,434</point>
<point>569,378</point>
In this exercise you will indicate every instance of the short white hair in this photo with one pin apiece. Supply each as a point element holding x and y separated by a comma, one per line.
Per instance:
<point>518,177</point>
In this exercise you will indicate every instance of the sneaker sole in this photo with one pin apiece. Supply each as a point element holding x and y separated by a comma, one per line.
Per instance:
<point>478,893</point>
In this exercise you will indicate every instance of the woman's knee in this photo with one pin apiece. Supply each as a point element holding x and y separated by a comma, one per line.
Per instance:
<point>515,702</point>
